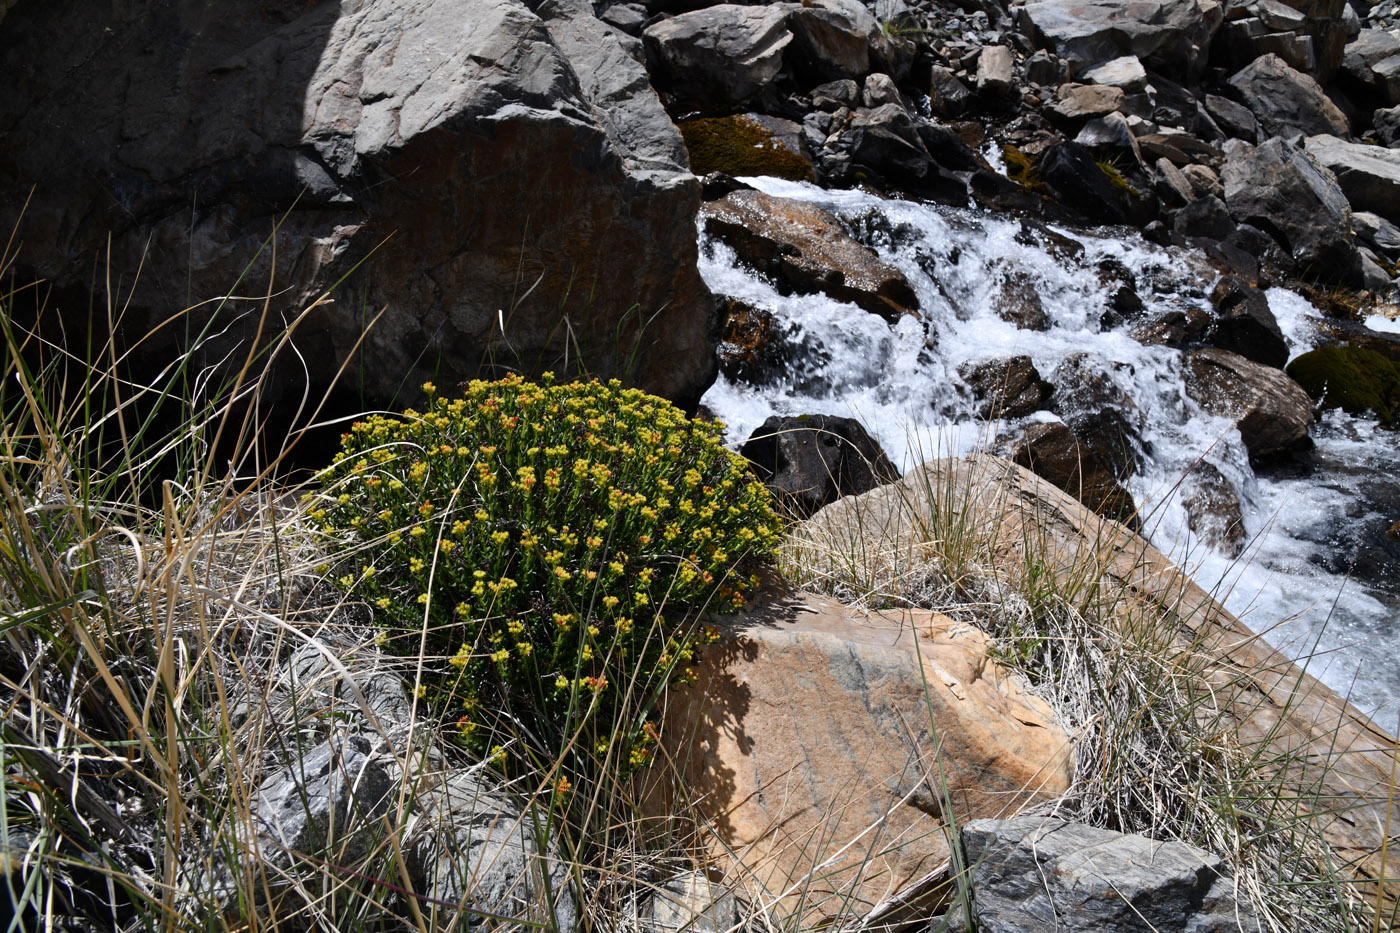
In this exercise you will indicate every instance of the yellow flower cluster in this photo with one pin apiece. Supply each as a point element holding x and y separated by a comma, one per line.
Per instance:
<point>568,536</point>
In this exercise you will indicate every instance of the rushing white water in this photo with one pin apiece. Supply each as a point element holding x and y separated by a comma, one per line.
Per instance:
<point>1304,526</point>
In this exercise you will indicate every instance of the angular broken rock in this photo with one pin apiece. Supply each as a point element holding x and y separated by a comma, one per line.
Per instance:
<point>476,857</point>
<point>1271,411</point>
<point>1168,35</point>
<point>1285,101</point>
<point>324,804</point>
<point>1041,873</point>
<point>809,745</point>
<point>1080,101</point>
<point>806,250</point>
<point>1368,175</point>
<point>1279,188</point>
<point>1245,324</point>
<point>720,57</point>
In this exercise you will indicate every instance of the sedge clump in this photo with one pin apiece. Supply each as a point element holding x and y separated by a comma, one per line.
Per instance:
<point>551,547</point>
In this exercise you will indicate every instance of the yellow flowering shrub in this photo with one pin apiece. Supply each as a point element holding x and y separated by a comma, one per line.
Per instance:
<point>552,545</point>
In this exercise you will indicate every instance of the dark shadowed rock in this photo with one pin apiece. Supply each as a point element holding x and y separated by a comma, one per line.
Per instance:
<point>1244,324</point>
<point>504,167</point>
<point>754,347</point>
<point>885,140</point>
<point>1279,188</point>
<point>1081,185</point>
<point>1235,119</point>
<point>948,96</point>
<point>1285,101</point>
<point>805,249</point>
<point>1041,873</point>
<point>1172,329</point>
<point>1052,451</point>
<point>1373,60</point>
<point>1385,124</point>
<point>720,57</point>
<point>1271,411</point>
<point>812,460</point>
<point>1009,387</point>
<point>1204,217</point>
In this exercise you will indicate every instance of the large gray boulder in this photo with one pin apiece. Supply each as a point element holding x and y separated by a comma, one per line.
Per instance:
<point>498,179</point>
<point>1168,35</point>
<point>1271,411</point>
<point>1368,175</point>
<point>1041,873</point>
<point>720,57</point>
<point>1279,188</point>
<point>1285,101</point>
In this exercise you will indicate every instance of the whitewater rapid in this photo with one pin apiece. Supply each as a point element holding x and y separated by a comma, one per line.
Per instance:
<point>1291,584</point>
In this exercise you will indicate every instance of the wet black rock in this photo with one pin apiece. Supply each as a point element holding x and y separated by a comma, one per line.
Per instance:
<point>812,460</point>
<point>1244,324</point>
<point>1007,387</point>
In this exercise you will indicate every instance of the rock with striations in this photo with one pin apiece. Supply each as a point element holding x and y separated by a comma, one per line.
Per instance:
<point>1167,35</point>
<point>1335,763</point>
<point>1042,873</point>
<point>1368,175</point>
<point>834,38</point>
<point>1279,188</point>
<point>1373,59</point>
<point>1271,411</point>
<point>1236,119</point>
<point>1285,101</point>
<point>718,58</point>
<point>1007,387</point>
<point>1053,451</point>
<point>1243,323</point>
<point>808,742</point>
<point>460,165</point>
<point>805,249</point>
<point>812,460</point>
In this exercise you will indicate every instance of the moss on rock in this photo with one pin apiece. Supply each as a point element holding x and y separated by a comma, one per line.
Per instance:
<point>1351,378</point>
<point>1020,168</point>
<point>739,145</point>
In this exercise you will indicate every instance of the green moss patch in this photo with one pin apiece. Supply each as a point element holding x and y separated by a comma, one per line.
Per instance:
<point>1357,380</point>
<point>1020,168</point>
<point>739,145</point>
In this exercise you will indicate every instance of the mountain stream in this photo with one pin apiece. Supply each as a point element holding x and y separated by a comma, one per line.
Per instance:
<point>1311,577</point>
